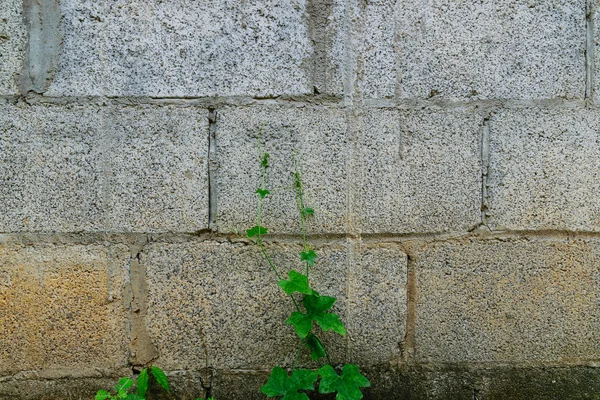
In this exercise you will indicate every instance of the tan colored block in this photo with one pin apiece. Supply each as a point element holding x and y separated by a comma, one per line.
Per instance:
<point>62,307</point>
<point>508,301</point>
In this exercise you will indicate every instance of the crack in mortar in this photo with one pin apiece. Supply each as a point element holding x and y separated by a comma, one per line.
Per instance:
<point>213,167</point>
<point>589,52</point>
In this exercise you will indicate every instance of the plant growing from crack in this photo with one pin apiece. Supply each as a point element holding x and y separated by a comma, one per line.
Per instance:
<point>312,310</point>
<point>142,386</point>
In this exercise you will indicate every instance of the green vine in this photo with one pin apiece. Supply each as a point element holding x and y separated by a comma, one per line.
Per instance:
<point>313,310</point>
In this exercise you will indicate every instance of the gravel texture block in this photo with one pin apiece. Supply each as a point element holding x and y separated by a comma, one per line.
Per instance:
<point>87,168</point>
<point>377,305</point>
<point>184,48</point>
<point>507,301</point>
<point>422,171</point>
<point>490,49</point>
<point>544,170</point>
<point>316,137</point>
<point>13,44</point>
<point>62,307</point>
<point>217,305</point>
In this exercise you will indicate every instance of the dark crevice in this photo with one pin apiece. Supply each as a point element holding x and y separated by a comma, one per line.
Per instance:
<point>212,169</point>
<point>589,51</point>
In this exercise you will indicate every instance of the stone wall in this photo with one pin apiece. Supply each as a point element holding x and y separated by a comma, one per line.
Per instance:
<point>451,150</point>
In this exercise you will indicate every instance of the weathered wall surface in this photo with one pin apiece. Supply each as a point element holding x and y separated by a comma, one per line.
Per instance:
<point>451,150</point>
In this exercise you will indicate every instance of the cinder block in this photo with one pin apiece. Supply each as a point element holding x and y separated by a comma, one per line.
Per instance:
<point>166,49</point>
<point>313,136</point>
<point>62,307</point>
<point>13,44</point>
<point>377,304</point>
<point>543,170</point>
<point>507,301</point>
<point>491,49</point>
<point>421,171</point>
<point>217,305</point>
<point>87,168</point>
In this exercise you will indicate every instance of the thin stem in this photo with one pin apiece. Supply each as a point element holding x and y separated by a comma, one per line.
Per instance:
<point>298,354</point>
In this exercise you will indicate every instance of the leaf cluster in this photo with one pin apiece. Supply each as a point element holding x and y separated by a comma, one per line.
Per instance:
<point>142,386</point>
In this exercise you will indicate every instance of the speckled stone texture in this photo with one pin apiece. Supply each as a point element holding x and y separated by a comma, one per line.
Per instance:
<point>422,171</point>
<point>316,137</point>
<point>62,307</point>
<point>491,49</point>
<point>544,170</point>
<point>186,48</point>
<point>89,168</point>
<point>13,44</point>
<point>507,301</point>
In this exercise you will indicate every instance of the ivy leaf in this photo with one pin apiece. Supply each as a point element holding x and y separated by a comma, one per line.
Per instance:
<point>265,160</point>
<point>317,350</point>
<point>102,395</point>
<point>257,230</point>
<point>279,384</point>
<point>133,396</point>
<point>309,256</point>
<point>262,192</point>
<point>298,283</point>
<point>316,307</point>
<point>347,385</point>
<point>142,383</point>
<point>123,385</point>
<point>308,211</point>
<point>161,378</point>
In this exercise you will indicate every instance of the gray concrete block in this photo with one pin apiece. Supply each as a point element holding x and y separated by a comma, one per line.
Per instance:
<point>421,171</point>
<point>13,45</point>
<point>543,170</point>
<point>377,305</point>
<point>317,135</point>
<point>218,305</point>
<point>87,168</point>
<point>62,307</point>
<point>507,301</point>
<point>165,49</point>
<point>475,50</point>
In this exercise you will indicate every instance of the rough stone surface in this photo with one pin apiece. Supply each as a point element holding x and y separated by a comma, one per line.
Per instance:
<point>507,301</point>
<point>218,305</point>
<point>470,50</point>
<point>13,43</point>
<point>156,48</point>
<point>422,171</point>
<point>62,307</point>
<point>377,304</point>
<point>87,168</point>
<point>544,170</point>
<point>317,135</point>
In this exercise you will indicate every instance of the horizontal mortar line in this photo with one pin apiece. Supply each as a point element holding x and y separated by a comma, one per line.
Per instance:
<point>309,100</point>
<point>29,238</point>
<point>477,365</point>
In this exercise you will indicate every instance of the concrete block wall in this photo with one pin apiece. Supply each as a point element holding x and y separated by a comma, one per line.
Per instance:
<point>450,149</point>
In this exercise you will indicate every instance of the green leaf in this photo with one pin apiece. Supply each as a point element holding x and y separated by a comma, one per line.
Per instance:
<point>262,193</point>
<point>102,395</point>
<point>316,307</point>
<point>142,383</point>
<point>309,256</point>
<point>279,384</point>
<point>308,211</point>
<point>265,160</point>
<point>317,350</point>
<point>257,230</point>
<point>123,385</point>
<point>161,378</point>
<point>298,283</point>
<point>133,396</point>
<point>347,385</point>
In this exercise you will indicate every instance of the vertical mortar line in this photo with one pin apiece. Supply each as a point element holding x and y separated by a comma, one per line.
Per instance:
<point>485,165</point>
<point>589,52</point>
<point>143,351</point>
<point>411,310</point>
<point>212,169</point>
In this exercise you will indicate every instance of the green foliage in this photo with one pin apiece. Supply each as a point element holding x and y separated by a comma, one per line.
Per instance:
<point>298,283</point>
<point>316,310</point>
<point>280,384</point>
<point>142,386</point>
<point>346,385</point>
